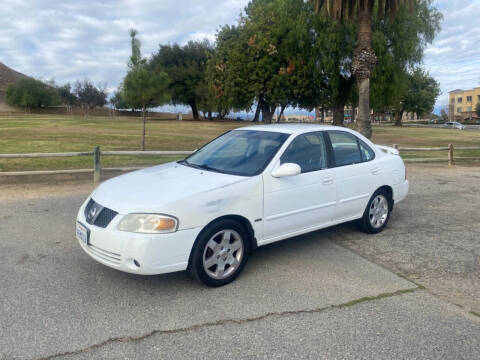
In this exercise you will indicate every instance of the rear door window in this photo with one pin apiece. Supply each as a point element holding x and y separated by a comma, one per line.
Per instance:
<point>346,149</point>
<point>367,153</point>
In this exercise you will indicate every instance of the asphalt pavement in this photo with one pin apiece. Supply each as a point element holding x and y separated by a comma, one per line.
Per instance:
<point>305,297</point>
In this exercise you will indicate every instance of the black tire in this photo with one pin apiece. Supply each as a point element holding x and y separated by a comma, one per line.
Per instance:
<point>367,223</point>
<point>202,248</point>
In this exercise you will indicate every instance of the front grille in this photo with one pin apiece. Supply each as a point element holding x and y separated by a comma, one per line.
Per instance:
<point>98,215</point>
<point>106,215</point>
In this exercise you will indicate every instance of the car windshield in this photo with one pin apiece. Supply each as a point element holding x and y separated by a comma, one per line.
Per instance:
<point>238,152</point>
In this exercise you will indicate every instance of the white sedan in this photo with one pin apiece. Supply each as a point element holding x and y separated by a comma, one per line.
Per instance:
<point>454,125</point>
<point>249,187</point>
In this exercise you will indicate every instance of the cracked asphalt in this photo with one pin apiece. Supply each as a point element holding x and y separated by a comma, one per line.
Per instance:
<point>330,294</point>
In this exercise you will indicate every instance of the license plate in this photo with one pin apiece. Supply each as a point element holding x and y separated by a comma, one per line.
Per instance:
<point>82,233</point>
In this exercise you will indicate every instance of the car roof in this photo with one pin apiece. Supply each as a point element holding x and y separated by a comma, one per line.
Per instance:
<point>292,128</point>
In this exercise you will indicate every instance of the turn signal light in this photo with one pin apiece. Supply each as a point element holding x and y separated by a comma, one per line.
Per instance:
<point>165,224</point>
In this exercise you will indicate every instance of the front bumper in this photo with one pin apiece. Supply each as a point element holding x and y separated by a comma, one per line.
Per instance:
<point>145,254</point>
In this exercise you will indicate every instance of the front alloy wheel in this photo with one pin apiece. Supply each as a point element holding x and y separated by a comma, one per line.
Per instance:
<point>220,253</point>
<point>223,254</point>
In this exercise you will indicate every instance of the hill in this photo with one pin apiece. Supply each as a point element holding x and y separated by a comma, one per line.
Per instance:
<point>7,77</point>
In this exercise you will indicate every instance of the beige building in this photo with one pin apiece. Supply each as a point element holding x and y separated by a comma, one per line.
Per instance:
<point>462,104</point>
<point>294,118</point>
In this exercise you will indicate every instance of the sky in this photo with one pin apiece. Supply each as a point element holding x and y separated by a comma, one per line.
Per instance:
<point>70,40</point>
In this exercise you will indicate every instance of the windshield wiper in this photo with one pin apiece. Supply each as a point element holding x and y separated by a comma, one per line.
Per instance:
<point>206,167</point>
<point>201,167</point>
<point>186,163</point>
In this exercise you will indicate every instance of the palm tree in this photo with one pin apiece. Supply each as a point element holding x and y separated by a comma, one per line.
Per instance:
<point>364,58</point>
<point>136,56</point>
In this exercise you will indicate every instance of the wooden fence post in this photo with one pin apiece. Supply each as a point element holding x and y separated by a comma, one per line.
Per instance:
<point>450,154</point>
<point>96,164</point>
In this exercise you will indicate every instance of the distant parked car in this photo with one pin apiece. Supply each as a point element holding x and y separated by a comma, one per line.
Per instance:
<point>454,125</point>
<point>247,188</point>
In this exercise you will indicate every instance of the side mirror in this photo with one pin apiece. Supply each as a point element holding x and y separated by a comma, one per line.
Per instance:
<point>287,169</point>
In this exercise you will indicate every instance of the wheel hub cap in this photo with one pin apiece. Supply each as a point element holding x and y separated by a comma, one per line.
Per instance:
<point>378,211</point>
<point>223,254</point>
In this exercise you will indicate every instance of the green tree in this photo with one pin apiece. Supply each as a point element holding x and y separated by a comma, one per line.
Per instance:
<point>227,74</point>
<point>142,88</point>
<point>89,96</point>
<point>399,45</point>
<point>363,12</point>
<point>421,95</point>
<point>186,68</point>
<point>67,97</point>
<point>117,100</point>
<point>31,93</point>
<point>334,44</point>
<point>267,58</point>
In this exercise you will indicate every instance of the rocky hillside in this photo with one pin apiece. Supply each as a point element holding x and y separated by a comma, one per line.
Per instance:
<point>7,76</point>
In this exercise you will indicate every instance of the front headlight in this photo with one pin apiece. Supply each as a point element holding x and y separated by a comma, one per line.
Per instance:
<point>148,223</point>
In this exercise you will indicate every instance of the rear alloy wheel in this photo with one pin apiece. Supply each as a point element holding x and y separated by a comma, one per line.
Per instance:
<point>220,253</point>
<point>377,213</point>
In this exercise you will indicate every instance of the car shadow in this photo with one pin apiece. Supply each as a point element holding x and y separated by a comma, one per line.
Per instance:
<point>264,256</point>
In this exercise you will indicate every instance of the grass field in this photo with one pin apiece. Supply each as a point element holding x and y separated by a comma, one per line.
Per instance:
<point>51,133</point>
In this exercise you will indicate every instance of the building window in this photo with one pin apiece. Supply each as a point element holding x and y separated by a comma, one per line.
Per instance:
<point>459,100</point>
<point>459,110</point>
<point>469,108</point>
<point>469,99</point>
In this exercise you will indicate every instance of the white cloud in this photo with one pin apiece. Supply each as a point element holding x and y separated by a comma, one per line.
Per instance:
<point>72,39</point>
<point>454,57</point>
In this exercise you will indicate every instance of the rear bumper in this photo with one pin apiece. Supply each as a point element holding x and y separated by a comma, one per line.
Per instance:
<point>400,191</point>
<point>144,254</point>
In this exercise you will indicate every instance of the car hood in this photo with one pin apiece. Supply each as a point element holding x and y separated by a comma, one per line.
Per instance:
<point>153,189</point>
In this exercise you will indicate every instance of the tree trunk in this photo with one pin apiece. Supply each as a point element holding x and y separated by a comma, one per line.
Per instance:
<point>323,113</point>
<point>338,114</point>
<point>282,109</point>
<point>364,61</point>
<point>364,125</point>
<point>210,115</point>
<point>259,108</point>
<point>267,112</point>
<point>344,89</point>
<point>143,129</point>
<point>194,111</point>
<point>85,111</point>
<point>398,118</point>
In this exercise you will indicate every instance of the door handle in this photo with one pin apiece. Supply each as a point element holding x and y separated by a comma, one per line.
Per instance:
<point>376,171</point>
<point>328,180</point>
